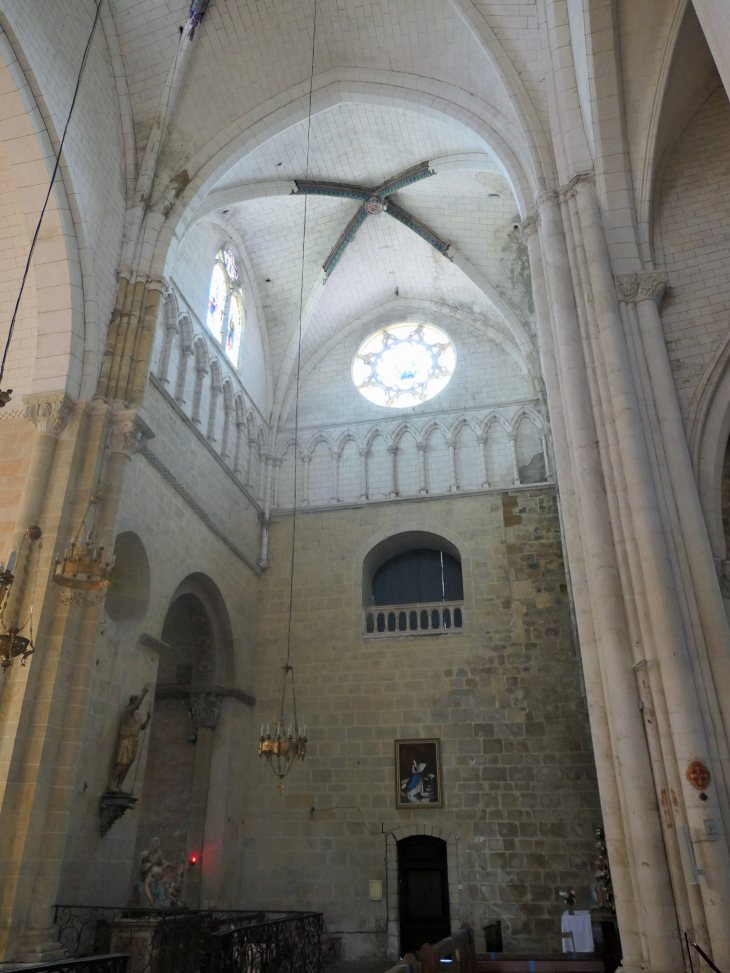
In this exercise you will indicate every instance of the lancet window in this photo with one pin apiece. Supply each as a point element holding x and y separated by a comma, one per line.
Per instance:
<point>225,317</point>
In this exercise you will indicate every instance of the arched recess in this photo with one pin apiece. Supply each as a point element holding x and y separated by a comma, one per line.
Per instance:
<point>707,434</point>
<point>193,674</point>
<point>389,547</point>
<point>129,595</point>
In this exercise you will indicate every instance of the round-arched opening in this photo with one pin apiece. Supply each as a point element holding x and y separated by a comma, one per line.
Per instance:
<point>188,631</point>
<point>435,561</point>
<point>128,597</point>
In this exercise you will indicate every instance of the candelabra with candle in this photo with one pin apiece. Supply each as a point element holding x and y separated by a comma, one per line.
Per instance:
<point>284,746</point>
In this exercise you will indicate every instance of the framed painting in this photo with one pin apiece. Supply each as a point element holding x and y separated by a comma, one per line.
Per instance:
<point>418,773</point>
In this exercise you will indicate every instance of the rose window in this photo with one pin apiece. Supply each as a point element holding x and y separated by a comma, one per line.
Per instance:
<point>404,364</point>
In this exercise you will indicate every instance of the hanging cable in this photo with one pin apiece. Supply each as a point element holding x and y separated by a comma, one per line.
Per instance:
<point>299,345</point>
<point>5,396</point>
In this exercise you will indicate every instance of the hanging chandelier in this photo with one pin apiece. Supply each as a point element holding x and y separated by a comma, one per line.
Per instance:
<point>12,643</point>
<point>285,746</point>
<point>84,567</point>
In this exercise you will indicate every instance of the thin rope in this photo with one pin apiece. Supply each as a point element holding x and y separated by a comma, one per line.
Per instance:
<point>299,347</point>
<point>50,189</point>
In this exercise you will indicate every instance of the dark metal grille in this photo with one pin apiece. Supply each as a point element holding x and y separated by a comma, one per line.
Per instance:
<point>115,963</point>
<point>291,945</point>
<point>192,941</point>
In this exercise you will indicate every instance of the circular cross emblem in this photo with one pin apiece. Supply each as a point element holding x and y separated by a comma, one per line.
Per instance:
<point>375,205</point>
<point>698,775</point>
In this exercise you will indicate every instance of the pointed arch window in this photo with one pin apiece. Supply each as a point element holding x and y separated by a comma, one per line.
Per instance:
<point>225,317</point>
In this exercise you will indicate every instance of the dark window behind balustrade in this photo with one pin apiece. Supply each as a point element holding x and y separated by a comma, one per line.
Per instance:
<point>418,577</point>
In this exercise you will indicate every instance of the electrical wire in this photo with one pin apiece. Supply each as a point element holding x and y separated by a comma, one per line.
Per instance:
<point>299,345</point>
<point>84,59</point>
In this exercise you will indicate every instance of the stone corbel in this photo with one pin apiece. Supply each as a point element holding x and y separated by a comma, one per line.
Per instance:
<point>206,709</point>
<point>49,413</point>
<point>648,286</point>
<point>129,433</point>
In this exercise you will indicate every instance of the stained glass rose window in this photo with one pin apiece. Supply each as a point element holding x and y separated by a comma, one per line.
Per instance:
<point>404,364</point>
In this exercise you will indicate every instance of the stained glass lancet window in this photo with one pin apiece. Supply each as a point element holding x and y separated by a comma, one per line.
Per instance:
<point>404,364</point>
<point>225,317</point>
<point>217,297</point>
<point>235,326</point>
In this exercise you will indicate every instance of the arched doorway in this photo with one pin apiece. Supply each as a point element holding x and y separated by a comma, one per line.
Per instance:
<point>191,681</point>
<point>423,892</point>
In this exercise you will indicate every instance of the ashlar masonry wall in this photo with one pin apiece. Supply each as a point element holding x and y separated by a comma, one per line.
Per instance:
<point>504,696</point>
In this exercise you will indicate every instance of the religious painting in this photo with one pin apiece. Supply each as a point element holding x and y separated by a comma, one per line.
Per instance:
<point>418,773</point>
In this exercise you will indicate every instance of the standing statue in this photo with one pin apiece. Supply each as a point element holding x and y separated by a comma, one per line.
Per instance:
<point>128,743</point>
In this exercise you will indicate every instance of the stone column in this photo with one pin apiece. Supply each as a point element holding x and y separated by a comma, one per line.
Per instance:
<point>263,471</point>
<point>206,710</point>
<point>421,447</point>
<point>482,440</point>
<point>637,819</point>
<point>393,450</point>
<point>305,478</point>
<point>182,372</point>
<point>275,492</point>
<point>515,466</point>
<point>336,454</point>
<point>49,414</point>
<point>227,410</point>
<point>240,427</point>
<point>171,329</point>
<point>55,743</point>
<point>200,372</point>
<point>249,462</point>
<point>651,531</point>
<point>215,391</point>
<point>454,486</point>
<point>363,454</point>
<point>546,456</point>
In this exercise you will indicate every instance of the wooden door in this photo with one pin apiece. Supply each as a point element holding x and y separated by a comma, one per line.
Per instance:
<point>423,892</point>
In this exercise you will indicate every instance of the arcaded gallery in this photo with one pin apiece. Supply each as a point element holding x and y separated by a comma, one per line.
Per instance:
<point>365,486</point>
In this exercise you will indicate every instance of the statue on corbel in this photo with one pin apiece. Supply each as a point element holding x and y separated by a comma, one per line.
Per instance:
<point>114,801</point>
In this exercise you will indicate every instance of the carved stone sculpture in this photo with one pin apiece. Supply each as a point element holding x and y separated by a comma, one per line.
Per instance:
<point>128,742</point>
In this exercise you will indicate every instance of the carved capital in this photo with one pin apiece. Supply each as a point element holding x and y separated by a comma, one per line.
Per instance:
<point>549,196</point>
<point>363,451</point>
<point>393,448</point>
<point>627,286</point>
<point>571,188</point>
<point>451,443</point>
<point>129,433</point>
<point>48,413</point>
<point>649,286</point>
<point>206,709</point>
<point>530,225</point>
<point>421,447</point>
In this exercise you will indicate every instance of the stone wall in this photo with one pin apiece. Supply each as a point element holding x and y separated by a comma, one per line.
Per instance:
<point>692,219</point>
<point>504,696</point>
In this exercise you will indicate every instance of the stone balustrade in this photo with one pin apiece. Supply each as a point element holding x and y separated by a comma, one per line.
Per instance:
<point>392,621</point>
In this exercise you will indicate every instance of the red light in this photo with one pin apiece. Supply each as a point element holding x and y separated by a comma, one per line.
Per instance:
<point>193,859</point>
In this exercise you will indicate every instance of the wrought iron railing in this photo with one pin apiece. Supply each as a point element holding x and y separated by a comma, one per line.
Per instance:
<point>392,621</point>
<point>112,963</point>
<point>291,945</point>
<point>175,940</point>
